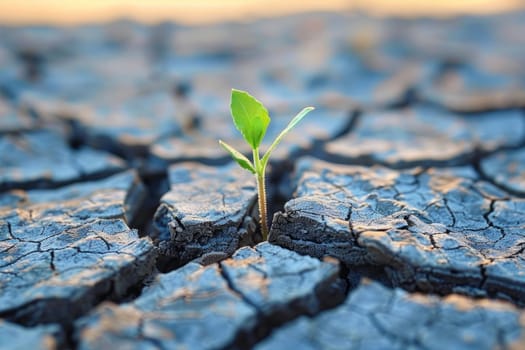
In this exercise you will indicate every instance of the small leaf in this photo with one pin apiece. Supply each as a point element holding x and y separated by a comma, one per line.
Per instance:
<point>238,157</point>
<point>249,116</point>
<point>286,130</point>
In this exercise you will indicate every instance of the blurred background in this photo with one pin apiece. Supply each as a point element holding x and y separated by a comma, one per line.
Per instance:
<point>150,80</point>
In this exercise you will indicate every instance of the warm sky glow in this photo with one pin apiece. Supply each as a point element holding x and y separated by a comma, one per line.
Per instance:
<point>201,11</point>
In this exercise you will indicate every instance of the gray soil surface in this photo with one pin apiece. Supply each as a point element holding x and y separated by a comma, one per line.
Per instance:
<point>397,207</point>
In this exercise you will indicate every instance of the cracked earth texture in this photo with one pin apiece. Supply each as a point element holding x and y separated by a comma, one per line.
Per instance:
<point>398,205</point>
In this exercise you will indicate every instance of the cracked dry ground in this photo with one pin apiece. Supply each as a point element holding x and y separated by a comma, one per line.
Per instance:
<point>399,203</point>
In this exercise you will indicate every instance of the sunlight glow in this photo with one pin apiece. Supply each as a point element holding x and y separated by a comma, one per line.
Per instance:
<point>202,11</point>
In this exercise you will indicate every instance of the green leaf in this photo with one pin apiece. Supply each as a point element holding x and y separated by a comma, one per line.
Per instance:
<point>238,157</point>
<point>286,130</point>
<point>249,116</point>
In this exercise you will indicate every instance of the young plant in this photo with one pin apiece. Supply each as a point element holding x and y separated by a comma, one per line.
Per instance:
<point>251,119</point>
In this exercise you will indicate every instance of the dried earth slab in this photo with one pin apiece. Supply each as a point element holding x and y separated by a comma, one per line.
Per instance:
<point>38,338</point>
<point>375,317</point>
<point>11,120</point>
<point>43,159</point>
<point>321,125</point>
<point>227,305</point>
<point>208,211</point>
<point>435,230</point>
<point>121,195</point>
<point>474,88</point>
<point>364,81</point>
<point>507,169</point>
<point>62,251</point>
<point>128,125</point>
<point>425,136</point>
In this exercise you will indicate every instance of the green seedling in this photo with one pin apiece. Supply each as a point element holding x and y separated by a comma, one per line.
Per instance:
<point>251,119</point>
